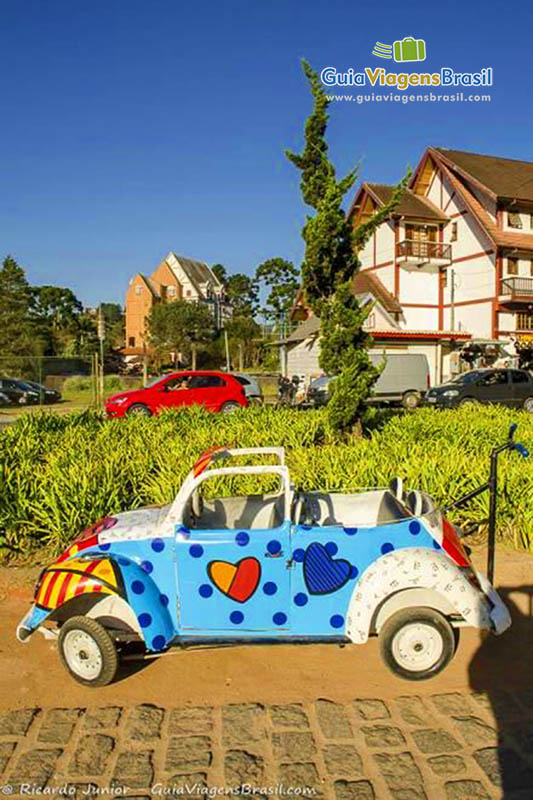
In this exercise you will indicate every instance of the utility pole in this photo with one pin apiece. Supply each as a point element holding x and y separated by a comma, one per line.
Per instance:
<point>101,337</point>
<point>226,342</point>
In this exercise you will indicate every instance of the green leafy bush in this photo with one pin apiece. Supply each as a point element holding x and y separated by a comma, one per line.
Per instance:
<point>58,473</point>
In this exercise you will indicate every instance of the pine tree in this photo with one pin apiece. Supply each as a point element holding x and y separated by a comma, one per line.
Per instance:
<point>330,265</point>
<point>16,307</point>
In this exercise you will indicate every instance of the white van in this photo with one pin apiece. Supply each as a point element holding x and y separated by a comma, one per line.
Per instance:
<point>404,381</point>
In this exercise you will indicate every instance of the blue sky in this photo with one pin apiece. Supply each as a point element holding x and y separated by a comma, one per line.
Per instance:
<point>131,128</point>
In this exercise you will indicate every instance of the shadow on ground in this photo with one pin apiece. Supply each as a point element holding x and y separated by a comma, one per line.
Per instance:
<point>502,672</point>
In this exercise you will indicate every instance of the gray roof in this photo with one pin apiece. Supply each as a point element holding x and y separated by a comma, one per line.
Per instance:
<point>197,271</point>
<point>307,328</point>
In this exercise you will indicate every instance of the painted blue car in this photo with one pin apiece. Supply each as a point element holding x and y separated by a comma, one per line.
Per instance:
<point>285,566</point>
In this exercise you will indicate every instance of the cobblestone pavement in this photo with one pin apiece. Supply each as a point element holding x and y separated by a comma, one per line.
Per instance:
<point>411,748</point>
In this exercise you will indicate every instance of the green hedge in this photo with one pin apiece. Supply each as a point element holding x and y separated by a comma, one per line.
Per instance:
<point>60,473</point>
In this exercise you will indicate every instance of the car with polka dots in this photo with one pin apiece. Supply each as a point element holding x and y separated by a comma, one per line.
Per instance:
<point>280,566</point>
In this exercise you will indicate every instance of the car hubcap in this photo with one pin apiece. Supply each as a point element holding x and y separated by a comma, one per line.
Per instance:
<point>82,654</point>
<point>528,405</point>
<point>417,647</point>
<point>411,401</point>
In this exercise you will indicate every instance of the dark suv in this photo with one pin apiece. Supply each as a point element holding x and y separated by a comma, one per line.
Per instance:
<point>508,387</point>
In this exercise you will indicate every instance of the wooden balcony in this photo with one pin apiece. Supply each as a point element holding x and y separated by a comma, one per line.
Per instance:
<point>416,254</point>
<point>515,290</point>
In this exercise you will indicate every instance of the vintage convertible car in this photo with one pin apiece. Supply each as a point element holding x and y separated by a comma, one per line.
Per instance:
<point>286,566</point>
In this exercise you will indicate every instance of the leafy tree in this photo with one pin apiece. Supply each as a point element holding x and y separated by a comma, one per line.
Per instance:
<point>56,311</point>
<point>331,263</point>
<point>243,334</point>
<point>16,313</point>
<point>242,294</point>
<point>219,271</point>
<point>282,278</point>
<point>114,325</point>
<point>180,327</point>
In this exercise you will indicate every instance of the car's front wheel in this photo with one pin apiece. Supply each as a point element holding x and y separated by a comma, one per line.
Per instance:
<point>417,643</point>
<point>469,401</point>
<point>139,409</point>
<point>528,405</point>
<point>87,651</point>
<point>230,407</point>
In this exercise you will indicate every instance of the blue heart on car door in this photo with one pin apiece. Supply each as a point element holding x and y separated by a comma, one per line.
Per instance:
<point>322,573</point>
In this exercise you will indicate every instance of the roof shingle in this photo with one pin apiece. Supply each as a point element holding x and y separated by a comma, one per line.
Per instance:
<point>504,177</point>
<point>411,204</point>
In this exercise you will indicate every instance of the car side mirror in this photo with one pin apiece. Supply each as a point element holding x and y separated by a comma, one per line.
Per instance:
<point>164,388</point>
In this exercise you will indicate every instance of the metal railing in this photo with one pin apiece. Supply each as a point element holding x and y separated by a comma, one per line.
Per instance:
<point>517,287</point>
<point>414,248</point>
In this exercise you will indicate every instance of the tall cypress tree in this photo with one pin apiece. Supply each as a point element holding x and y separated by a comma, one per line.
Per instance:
<point>330,265</point>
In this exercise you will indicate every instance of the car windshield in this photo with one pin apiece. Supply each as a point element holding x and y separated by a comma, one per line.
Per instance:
<point>28,387</point>
<point>320,383</point>
<point>468,377</point>
<point>154,381</point>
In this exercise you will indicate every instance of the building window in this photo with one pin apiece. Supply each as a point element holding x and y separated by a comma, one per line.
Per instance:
<point>512,266</point>
<point>138,289</point>
<point>171,291</point>
<point>444,278</point>
<point>531,221</point>
<point>531,268</point>
<point>514,220</point>
<point>188,293</point>
<point>453,232</point>
<point>131,341</point>
<point>524,321</point>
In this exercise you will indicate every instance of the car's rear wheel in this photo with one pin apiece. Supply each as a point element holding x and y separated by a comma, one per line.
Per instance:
<point>139,409</point>
<point>87,651</point>
<point>528,405</point>
<point>411,400</point>
<point>417,643</point>
<point>229,408</point>
<point>469,401</point>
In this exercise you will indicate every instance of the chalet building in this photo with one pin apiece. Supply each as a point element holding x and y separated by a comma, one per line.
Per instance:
<point>175,278</point>
<point>456,255</point>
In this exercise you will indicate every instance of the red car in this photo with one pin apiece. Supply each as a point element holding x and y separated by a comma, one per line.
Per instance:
<point>217,391</point>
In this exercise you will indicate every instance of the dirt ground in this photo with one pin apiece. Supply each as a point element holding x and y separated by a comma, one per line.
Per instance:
<point>32,675</point>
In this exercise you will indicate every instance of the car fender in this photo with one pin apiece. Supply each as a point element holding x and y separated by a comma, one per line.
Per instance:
<point>113,587</point>
<point>407,569</point>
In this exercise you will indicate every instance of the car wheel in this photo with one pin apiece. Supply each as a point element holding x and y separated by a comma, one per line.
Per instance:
<point>87,651</point>
<point>469,401</point>
<point>528,404</point>
<point>417,643</point>
<point>411,400</point>
<point>229,408</point>
<point>139,409</point>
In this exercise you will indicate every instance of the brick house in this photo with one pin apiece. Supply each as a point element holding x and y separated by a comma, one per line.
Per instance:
<point>456,254</point>
<point>174,278</point>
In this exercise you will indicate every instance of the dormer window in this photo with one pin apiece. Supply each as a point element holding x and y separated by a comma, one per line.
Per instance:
<point>514,220</point>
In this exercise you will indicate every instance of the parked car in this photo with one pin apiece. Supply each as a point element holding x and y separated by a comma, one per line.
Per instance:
<point>252,389</point>
<point>289,566</point>
<point>17,392</point>
<point>46,395</point>
<point>217,391</point>
<point>403,381</point>
<point>508,387</point>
